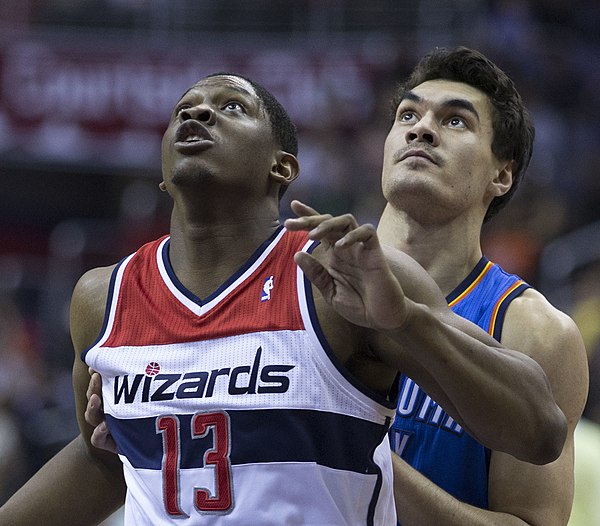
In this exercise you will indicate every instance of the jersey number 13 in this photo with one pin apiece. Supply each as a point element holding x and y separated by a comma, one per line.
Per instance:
<point>218,457</point>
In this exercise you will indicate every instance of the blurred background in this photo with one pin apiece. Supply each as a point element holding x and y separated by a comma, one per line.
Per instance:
<point>86,89</point>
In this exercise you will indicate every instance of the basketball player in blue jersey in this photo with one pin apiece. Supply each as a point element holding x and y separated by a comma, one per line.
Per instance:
<point>236,391</point>
<point>459,144</point>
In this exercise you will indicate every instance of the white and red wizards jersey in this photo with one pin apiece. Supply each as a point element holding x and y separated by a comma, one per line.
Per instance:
<point>232,409</point>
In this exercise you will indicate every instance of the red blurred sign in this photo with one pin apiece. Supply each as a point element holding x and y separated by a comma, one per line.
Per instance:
<point>62,100</point>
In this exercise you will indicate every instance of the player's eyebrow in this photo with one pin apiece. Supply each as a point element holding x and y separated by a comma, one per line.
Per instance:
<point>448,103</point>
<point>244,91</point>
<point>225,88</point>
<point>238,89</point>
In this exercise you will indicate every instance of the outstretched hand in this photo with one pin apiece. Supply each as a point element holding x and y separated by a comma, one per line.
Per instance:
<point>350,269</point>
<point>94,415</point>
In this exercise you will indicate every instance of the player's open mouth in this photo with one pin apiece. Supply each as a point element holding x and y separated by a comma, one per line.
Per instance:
<point>191,131</point>
<point>192,136</point>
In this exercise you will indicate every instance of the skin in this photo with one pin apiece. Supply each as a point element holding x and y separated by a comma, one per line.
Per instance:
<point>380,311</point>
<point>445,239</point>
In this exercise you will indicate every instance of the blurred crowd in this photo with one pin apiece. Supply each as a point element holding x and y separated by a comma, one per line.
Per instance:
<point>550,48</point>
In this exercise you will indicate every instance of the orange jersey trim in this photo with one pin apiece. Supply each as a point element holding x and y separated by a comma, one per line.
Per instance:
<point>467,291</point>
<point>499,304</point>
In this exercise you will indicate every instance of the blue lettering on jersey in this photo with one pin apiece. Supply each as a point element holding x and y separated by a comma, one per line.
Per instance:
<point>202,384</point>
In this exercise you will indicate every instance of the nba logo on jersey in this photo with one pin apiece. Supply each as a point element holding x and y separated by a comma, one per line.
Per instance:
<point>267,288</point>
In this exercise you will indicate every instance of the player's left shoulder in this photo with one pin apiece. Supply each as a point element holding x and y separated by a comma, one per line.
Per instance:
<point>532,317</point>
<point>549,336</point>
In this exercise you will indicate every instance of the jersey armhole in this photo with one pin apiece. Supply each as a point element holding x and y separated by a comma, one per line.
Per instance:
<point>499,313</point>
<point>111,304</point>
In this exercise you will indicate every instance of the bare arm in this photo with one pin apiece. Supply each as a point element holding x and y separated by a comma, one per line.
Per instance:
<point>519,493</point>
<point>419,502</point>
<point>81,485</point>
<point>501,396</point>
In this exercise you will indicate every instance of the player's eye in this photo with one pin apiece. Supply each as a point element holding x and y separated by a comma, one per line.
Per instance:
<point>457,122</point>
<point>182,107</point>
<point>234,106</point>
<point>407,116</point>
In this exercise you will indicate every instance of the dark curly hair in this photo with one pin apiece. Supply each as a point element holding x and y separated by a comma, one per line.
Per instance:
<point>512,125</point>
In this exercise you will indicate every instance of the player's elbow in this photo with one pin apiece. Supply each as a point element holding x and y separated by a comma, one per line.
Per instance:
<point>558,426</point>
<point>547,438</point>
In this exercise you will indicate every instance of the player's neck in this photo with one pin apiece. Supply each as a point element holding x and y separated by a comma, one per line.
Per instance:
<point>205,254</point>
<point>448,250</point>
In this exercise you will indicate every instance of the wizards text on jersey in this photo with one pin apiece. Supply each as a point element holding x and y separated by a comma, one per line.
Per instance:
<point>240,380</point>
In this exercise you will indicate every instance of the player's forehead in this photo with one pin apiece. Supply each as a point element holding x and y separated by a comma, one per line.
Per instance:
<point>216,83</point>
<point>444,92</point>
<point>442,87</point>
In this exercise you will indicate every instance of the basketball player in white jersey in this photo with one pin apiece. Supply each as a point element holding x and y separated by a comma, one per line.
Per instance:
<point>236,391</point>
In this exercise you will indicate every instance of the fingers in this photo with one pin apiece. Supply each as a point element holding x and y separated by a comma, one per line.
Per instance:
<point>93,411</point>
<point>323,227</point>
<point>102,439</point>
<point>364,234</point>
<point>308,218</point>
<point>341,231</point>
<point>95,384</point>
<point>333,228</point>
<point>301,209</point>
<point>314,271</point>
<point>94,415</point>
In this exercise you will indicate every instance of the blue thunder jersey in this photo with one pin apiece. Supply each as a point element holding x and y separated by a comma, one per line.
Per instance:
<point>423,434</point>
<point>232,409</point>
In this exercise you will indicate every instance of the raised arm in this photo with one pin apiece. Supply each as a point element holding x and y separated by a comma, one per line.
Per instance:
<point>501,396</point>
<point>80,485</point>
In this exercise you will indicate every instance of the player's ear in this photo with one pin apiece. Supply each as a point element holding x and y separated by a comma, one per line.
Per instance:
<point>503,180</point>
<point>285,168</point>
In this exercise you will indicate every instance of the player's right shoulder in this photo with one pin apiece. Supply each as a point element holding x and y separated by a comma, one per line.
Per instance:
<point>91,291</point>
<point>88,306</point>
<point>94,279</point>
